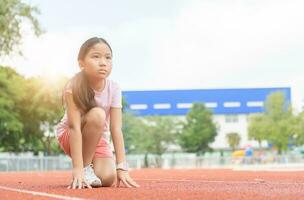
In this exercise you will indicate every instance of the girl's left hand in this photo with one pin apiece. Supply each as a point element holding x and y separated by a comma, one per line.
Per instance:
<point>124,177</point>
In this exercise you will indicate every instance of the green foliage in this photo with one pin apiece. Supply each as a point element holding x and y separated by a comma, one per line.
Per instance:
<point>11,94</point>
<point>160,131</point>
<point>233,140</point>
<point>133,128</point>
<point>257,128</point>
<point>150,134</point>
<point>299,132</point>
<point>29,109</point>
<point>12,15</point>
<point>42,112</point>
<point>280,120</point>
<point>276,125</point>
<point>198,131</point>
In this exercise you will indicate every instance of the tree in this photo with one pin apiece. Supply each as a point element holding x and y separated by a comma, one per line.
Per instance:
<point>277,124</point>
<point>198,130</point>
<point>12,16</point>
<point>11,95</point>
<point>233,140</point>
<point>257,128</point>
<point>41,111</point>
<point>29,109</point>
<point>150,134</point>
<point>132,128</point>
<point>299,132</point>
<point>159,133</point>
<point>280,120</point>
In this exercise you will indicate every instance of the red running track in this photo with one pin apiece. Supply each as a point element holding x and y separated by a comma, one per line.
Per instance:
<point>161,184</point>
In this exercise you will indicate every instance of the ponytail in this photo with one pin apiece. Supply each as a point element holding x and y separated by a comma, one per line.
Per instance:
<point>83,94</point>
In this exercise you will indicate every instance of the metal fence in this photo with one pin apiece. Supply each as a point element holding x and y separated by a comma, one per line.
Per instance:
<point>35,163</point>
<point>216,162</point>
<point>47,163</point>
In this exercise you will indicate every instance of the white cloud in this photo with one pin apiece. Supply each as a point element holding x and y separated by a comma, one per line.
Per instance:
<point>208,44</point>
<point>215,41</point>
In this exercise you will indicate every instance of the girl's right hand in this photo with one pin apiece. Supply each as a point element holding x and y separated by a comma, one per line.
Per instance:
<point>78,179</point>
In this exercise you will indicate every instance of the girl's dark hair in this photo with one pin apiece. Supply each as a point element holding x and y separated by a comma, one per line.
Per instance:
<point>83,94</point>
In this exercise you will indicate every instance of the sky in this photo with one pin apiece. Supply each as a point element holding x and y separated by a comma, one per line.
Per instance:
<point>174,44</point>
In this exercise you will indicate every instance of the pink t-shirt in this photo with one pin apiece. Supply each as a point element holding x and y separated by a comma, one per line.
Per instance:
<point>109,97</point>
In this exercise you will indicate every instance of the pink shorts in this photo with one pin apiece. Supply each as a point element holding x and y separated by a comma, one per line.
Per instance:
<point>103,148</point>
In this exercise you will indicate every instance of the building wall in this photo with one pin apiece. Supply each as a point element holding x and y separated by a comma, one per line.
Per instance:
<point>220,101</point>
<point>227,124</point>
<point>231,107</point>
<point>231,123</point>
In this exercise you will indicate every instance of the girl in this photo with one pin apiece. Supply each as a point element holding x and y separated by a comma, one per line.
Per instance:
<point>93,109</point>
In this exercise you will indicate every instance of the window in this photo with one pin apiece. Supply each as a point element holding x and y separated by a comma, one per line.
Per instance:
<point>162,106</point>
<point>231,119</point>
<point>232,104</point>
<point>184,105</point>
<point>138,106</point>
<point>211,105</point>
<point>255,103</point>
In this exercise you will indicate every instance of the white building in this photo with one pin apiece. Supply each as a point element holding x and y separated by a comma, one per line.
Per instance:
<point>231,107</point>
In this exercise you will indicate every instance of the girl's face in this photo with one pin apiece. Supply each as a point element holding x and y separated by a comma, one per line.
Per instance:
<point>97,63</point>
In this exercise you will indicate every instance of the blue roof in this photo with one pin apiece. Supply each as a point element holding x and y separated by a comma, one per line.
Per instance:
<point>220,101</point>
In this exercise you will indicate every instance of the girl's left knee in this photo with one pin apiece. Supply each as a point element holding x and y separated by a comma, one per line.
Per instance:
<point>108,180</point>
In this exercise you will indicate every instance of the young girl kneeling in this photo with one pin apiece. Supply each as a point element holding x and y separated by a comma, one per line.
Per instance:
<point>93,112</point>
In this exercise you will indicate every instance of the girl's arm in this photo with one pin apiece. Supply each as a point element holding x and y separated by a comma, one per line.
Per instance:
<point>75,140</point>
<point>118,141</point>
<point>117,135</point>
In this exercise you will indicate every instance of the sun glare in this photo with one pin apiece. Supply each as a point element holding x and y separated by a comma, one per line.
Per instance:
<point>52,79</point>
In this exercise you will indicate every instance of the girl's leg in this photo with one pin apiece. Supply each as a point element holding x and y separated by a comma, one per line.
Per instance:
<point>92,129</point>
<point>104,168</point>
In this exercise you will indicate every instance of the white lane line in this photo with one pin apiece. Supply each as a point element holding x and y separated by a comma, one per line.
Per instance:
<point>229,182</point>
<point>56,196</point>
